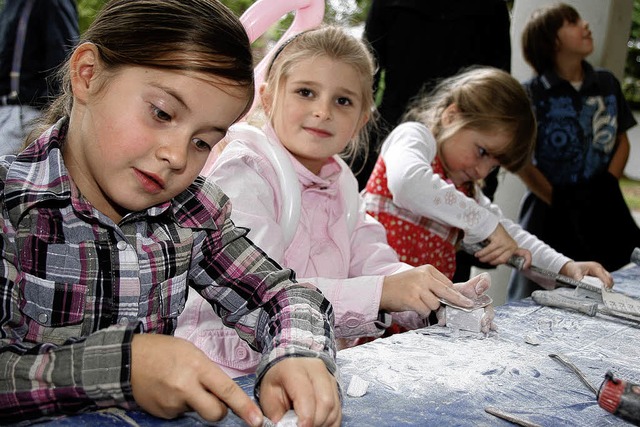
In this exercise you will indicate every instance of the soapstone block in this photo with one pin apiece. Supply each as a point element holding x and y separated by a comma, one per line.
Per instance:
<point>464,320</point>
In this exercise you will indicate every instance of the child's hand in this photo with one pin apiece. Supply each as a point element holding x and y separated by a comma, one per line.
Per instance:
<point>578,270</point>
<point>170,376</point>
<point>304,384</point>
<point>472,289</point>
<point>499,249</point>
<point>419,290</point>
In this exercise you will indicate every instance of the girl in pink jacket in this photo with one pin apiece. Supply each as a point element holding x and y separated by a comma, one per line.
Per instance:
<point>301,202</point>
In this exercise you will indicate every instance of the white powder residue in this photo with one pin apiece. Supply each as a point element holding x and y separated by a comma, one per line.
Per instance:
<point>439,364</point>
<point>419,363</point>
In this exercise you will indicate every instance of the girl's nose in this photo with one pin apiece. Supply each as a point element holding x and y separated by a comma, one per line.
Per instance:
<point>175,153</point>
<point>322,109</point>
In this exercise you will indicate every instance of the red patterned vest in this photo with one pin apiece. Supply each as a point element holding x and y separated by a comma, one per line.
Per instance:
<point>417,240</point>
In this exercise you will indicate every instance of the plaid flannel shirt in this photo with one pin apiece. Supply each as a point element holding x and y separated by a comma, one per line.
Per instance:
<point>75,287</point>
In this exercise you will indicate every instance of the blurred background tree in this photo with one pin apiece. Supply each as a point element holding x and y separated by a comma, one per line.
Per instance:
<point>344,12</point>
<point>350,13</point>
<point>631,82</point>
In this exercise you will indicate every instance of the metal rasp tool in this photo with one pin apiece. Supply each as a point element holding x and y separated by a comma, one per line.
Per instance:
<point>545,278</point>
<point>560,298</point>
<point>614,301</point>
<point>563,360</point>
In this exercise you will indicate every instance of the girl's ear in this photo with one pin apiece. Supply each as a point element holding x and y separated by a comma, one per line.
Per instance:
<point>266,98</point>
<point>84,64</point>
<point>364,118</point>
<point>449,114</point>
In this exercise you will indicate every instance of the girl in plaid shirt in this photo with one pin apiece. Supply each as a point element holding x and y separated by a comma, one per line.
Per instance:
<point>106,224</point>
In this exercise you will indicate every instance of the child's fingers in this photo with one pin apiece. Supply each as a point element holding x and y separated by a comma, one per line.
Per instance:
<point>475,286</point>
<point>439,276</point>
<point>483,283</point>
<point>307,386</point>
<point>486,323</point>
<point>328,410</point>
<point>221,391</point>
<point>453,296</point>
<point>286,386</point>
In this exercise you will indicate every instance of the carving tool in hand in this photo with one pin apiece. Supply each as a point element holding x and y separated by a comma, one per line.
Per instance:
<point>613,301</point>
<point>545,278</point>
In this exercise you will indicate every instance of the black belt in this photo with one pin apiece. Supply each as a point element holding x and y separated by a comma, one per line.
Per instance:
<point>9,100</point>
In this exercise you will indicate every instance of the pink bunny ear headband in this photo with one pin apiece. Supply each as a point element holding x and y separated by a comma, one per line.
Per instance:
<point>264,13</point>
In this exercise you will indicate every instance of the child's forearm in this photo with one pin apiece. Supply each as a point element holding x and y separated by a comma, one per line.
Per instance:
<point>620,157</point>
<point>49,379</point>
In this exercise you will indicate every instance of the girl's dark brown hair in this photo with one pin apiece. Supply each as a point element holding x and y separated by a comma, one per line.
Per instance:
<point>201,36</point>
<point>540,34</point>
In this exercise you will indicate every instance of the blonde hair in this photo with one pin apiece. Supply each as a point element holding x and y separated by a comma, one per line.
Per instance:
<point>487,99</point>
<point>335,43</point>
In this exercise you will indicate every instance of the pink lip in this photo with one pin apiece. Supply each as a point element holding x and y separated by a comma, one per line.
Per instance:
<point>152,183</point>
<point>318,132</point>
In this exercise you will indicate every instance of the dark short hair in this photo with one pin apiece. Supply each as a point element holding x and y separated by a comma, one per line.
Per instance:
<point>540,34</point>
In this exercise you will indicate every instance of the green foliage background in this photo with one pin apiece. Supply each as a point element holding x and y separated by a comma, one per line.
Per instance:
<point>87,10</point>
<point>631,83</point>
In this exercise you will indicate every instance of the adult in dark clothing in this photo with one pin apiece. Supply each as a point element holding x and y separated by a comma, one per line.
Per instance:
<point>33,52</point>
<point>416,44</point>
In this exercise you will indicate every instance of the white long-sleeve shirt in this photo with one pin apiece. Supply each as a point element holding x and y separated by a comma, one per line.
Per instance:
<point>407,153</point>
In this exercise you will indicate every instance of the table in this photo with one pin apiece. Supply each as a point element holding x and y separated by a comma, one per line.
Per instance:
<point>439,376</point>
<point>435,376</point>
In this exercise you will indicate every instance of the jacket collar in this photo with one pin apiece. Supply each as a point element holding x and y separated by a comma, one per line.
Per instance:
<point>550,79</point>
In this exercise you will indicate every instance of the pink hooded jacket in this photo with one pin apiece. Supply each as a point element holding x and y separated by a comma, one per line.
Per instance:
<point>335,245</point>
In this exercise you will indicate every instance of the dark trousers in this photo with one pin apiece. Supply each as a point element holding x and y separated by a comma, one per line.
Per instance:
<point>586,222</point>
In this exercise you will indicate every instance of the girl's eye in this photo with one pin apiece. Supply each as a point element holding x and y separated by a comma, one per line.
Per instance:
<point>344,101</point>
<point>161,115</point>
<point>304,92</point>
<point>201,145</point>
<point>482,152</point>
